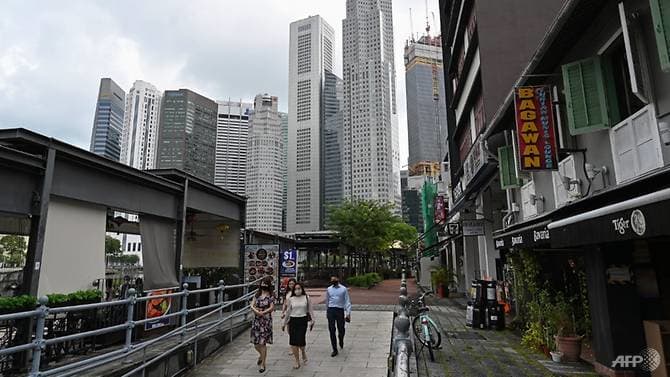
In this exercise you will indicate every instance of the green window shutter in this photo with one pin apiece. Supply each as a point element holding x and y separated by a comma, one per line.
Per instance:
<point>508,175</point>
<point>585,96</point>
<point>660,14</point>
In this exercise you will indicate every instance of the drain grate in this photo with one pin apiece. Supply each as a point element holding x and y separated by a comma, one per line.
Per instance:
<point>466,335</point>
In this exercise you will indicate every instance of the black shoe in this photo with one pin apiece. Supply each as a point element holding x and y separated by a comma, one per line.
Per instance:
<point>262,370</point>
<point>335,353</point>
<point>341,343</point>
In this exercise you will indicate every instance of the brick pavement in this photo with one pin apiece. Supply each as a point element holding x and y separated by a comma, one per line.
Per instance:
<point>475,353</point>
<point>364,355</point>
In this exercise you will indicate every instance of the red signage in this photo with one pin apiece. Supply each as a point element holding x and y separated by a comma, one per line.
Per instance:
<point>535,128</point>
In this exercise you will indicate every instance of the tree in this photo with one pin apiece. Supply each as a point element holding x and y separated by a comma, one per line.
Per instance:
<point>14,250</point>
<point>112,246</point>
<point>369,227</point>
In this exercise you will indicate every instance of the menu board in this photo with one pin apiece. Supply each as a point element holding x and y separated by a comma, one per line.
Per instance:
<point>261,261</point>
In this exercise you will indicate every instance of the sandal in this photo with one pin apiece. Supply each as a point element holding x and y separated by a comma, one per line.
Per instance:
<point>297,366</point>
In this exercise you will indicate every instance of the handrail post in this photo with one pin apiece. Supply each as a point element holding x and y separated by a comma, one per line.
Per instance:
<point>39,344</point>
<point>222,302</point>
<point>184,311</point>
<point>245,292</point>
<point>129,322</point>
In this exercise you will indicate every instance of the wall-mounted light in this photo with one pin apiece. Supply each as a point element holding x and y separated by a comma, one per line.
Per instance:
<point>664,131</point>
<point>535,198</point>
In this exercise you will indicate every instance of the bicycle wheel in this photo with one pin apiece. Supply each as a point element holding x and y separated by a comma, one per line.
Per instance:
<point>434,337</point>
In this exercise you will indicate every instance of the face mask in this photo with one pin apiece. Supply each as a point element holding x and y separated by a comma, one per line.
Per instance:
<point>265,288</point>
<point>298,292</point>
<point>335,282</point>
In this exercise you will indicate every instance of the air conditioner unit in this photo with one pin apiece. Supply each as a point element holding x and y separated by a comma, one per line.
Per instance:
<point>567,185</point>
<point>528,205</point>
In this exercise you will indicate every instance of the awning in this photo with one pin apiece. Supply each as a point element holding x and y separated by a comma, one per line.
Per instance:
<point>638,218</point>
<point>532,235</point>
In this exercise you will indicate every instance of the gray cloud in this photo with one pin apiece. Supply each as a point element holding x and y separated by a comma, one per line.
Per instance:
<point>53,53</point>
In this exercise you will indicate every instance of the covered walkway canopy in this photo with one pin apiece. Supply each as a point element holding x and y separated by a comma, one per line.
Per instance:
<point>65,199</point>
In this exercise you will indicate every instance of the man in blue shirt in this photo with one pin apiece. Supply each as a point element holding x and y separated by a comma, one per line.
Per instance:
<point>339,310</point>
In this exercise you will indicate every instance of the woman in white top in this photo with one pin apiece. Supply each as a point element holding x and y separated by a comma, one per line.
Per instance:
<point>298,315</point>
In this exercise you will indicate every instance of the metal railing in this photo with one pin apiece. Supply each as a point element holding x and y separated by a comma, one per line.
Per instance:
<point>401,344</point>
<point>187,331</point>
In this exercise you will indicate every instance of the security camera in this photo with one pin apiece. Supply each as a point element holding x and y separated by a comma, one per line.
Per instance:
<point>664,131</point>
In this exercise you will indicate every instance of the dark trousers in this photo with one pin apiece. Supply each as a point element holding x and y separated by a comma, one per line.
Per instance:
<point>335,316</point>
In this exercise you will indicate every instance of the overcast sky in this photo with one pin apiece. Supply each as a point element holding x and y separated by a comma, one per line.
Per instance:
<point>53,53</point>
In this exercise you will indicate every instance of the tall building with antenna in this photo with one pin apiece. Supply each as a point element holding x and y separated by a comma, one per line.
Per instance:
<point>426,105</point>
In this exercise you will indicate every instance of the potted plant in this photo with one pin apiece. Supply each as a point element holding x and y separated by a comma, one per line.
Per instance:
<point>568,342</point>
<point>443,279</point>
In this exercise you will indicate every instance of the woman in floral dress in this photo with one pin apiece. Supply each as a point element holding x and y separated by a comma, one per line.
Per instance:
<point>261,329</point>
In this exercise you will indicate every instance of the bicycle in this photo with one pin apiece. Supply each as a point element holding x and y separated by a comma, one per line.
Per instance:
<point>424,328</point>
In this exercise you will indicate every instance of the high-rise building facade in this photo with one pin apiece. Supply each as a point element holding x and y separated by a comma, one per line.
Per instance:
<point>284,154</point>
<point>264,188</point>
<point>232,134</point>
<point>310,56</point>
<point>426,106</point>
<point>187,136</point>
<point>108,120</point>
<point>140,126</point>
<point>331,145</point>
<point>371,142</point>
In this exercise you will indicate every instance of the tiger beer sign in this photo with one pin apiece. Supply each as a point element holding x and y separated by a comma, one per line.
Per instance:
<point>535,128</point>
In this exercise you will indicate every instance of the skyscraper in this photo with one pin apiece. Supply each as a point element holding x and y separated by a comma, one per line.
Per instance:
<point>108,120</point>
<point>187,136</point>
<point>232,134</point>
<point>371,143</point>
<point>284,154</point>
<point>331,145</point>
<point>310,56</point>
<point>264,187</point>
<point>140,126</point>
<point>426,107</point>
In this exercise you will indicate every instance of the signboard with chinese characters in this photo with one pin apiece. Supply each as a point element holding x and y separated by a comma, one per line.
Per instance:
<point>535,128</point>
<point>473,227</point>
<point>261,261</point>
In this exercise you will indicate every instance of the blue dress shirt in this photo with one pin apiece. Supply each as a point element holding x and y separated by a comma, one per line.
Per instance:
<point>339,298</point>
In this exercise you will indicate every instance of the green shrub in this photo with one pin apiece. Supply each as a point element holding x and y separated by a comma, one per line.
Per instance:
<point>17,304</point>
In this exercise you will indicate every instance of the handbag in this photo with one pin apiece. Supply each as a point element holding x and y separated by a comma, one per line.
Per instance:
<point>309,316</point>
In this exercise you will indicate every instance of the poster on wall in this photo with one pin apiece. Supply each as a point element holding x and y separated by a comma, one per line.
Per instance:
<point>535,131</point>
<point>157,308</point>
<point>261,261</point>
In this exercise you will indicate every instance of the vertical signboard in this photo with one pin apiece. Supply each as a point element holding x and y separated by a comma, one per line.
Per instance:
<point>157,308</point>
<point>440,210</point>
<point>288,268</point>
<point>535,128</point>
<point>261,261</point>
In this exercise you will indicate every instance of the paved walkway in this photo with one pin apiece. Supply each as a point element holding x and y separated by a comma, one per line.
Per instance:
<point>471,352</point>
<point>366,348</point>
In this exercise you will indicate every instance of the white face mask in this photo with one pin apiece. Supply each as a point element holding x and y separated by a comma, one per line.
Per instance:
<point>298,292</point>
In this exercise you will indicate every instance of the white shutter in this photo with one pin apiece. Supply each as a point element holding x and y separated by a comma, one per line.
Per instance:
<point>528,209</point>
<point>635,55</point>
<point>636,145</point>
<point>566,168</point>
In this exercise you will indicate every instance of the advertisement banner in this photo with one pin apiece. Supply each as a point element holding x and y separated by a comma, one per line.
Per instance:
<point>536,136</point>
<point>440,210</point>
<point>158,308</point>
<point>261,261</point>
<point>289,264</point>
<point>473,227</point>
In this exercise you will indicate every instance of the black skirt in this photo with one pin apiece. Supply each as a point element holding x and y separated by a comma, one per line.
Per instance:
<point>297,329</point>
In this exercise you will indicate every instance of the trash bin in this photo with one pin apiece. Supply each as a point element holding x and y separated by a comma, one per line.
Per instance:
<point>491,295</point>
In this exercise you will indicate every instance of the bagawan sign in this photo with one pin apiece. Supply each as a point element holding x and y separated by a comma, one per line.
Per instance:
<point>535,128</point>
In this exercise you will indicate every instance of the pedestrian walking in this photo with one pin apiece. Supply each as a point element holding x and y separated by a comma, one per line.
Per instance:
<point>299,314</point>
<point>287,295</point>
<point>339,311</point>
<point>261,329</point>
